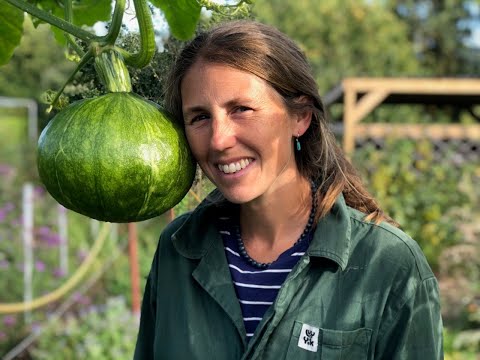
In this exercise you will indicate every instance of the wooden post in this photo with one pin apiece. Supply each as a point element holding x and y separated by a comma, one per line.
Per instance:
<point>348,119</point>
<point>134,268</point>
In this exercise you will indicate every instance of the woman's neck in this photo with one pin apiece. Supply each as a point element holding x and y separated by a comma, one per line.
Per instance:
<point>274,222</point>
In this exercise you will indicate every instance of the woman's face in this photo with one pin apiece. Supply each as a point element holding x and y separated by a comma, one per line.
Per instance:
<point>240,131</point>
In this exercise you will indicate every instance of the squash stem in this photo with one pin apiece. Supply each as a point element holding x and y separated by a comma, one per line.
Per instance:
<point>54,20</point>
<point>112,71</point>
<point>147,37</point>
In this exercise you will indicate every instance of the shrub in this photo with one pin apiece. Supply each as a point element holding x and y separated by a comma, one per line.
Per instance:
<point>419,192</point>
<point>105,332</point>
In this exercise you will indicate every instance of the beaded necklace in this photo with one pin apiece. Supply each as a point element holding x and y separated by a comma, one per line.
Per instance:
<point>306,231</point>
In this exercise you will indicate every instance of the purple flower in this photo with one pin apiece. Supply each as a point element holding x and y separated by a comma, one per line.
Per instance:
<point>82,254</point>
<point>48,236</point>
<point>38,191</point>
<point>3,215</point>
<point>4,264</point>
<point>3,336</point>
<point>53,240</point>
<point>5,169</point>
<point>39,266</point>
<point>82,299</point>
<point>9,207</point>
<point>59,273</point>
<point>43,231</point>
<point>9,320</point>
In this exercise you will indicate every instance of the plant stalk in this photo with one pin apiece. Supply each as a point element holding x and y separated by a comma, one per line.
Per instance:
<point>147,37</point>
<point>89,55</point>
<point>116,23</point>
<point>54,20</point>
<point>69,17</point>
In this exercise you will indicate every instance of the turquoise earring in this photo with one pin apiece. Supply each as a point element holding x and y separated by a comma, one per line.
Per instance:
<point>297,143</point>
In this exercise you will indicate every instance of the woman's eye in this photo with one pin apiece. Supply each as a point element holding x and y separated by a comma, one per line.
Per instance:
<point>242,109</point>
<point>199,118</point>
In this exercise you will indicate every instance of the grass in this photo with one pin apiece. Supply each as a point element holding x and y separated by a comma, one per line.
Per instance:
<point>14,135</point>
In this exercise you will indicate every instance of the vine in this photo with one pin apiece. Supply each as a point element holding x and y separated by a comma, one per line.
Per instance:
<point>94,45</point>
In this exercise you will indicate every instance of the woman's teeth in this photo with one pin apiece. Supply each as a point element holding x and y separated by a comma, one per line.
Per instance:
<point>234,167</point>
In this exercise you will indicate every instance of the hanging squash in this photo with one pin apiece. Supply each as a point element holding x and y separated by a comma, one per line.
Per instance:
<point>116,157</point>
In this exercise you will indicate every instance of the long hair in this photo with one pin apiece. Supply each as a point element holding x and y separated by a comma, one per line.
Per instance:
<point>266,52</point>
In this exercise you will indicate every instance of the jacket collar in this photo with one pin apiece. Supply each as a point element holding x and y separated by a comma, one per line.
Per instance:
<point>331,239</point>
<point>198,232</point>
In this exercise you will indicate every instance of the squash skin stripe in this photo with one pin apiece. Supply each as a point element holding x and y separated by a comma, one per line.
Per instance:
<point>99,142</point>
<point>148,193</point>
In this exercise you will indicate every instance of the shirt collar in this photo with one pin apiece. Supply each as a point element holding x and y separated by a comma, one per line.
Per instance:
<point>198,233</point>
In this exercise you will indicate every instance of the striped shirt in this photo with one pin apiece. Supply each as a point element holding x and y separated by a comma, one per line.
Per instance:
<point>256,288</point>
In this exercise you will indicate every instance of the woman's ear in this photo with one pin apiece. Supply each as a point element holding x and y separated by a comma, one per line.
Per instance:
<point>303,116</point>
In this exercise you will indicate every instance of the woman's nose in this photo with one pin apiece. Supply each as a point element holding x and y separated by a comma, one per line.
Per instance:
<point>223,134</point>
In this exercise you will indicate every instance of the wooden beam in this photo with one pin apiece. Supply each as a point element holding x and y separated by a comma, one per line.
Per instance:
<point>418,131</point>
<point>433,86</point>
<point>367,103</point>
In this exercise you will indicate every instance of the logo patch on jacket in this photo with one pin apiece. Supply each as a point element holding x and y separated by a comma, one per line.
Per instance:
<point>308,339</point>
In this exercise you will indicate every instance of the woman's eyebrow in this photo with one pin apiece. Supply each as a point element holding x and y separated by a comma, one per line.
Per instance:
<point>193,110</point>
<point>232,102</point>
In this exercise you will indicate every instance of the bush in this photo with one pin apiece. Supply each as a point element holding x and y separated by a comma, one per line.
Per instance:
<point>105,333</point>
<point>419,192</point>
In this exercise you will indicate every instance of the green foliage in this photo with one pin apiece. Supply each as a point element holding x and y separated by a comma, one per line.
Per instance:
<point>148,82</point>
<point>101,333</point>
<point>439,30</point>
<point>11,21</point>
<point>344,38</point>
<point>86,12</point>
<point>452,349</point>
<point>30,71</point>
<point>182,18</point>
<point>417,191</point>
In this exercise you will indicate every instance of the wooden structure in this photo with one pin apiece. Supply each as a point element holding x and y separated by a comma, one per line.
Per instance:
<point>361,96</point>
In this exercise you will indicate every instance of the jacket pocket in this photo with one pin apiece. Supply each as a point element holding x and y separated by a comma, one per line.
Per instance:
<point>309,342</point>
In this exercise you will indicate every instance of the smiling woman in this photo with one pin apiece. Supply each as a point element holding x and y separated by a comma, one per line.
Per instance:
<point>290,257</point>
<point>232,117</point>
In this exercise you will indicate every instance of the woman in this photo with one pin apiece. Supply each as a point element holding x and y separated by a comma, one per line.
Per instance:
<point>290,258</point>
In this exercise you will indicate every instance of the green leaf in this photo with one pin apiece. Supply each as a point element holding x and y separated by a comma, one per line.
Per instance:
<point>182,16</point>
<point>85,12</point>
<point>11,28</point>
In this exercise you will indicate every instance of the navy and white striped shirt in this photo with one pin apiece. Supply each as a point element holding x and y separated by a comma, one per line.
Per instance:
<point>256,289</point>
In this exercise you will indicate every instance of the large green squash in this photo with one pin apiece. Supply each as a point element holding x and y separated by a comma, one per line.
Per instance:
<point>115,158</point>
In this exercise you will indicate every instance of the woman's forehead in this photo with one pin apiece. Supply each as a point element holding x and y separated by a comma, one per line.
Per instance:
<point>206,82</point>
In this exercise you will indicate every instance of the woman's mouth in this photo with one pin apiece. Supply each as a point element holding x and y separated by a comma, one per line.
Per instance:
<point>234,167</point>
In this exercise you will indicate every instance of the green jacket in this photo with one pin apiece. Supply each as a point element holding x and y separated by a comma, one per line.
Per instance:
<point>362,291</point>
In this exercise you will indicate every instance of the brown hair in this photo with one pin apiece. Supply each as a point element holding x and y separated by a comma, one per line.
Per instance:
<point>264,51</point>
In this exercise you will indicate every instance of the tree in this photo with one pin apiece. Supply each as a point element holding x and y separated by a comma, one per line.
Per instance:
<point>439,30</point>
<point>30,71</point>
<point>344,37</point>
